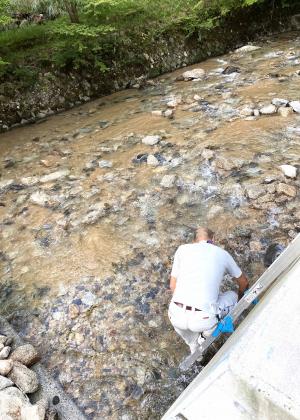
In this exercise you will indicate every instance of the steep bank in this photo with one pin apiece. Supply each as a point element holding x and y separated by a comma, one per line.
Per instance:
<point>50,90</point>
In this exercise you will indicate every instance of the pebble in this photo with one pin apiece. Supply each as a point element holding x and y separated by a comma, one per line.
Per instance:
<point>286,189</point>
<point>285,111</point>
<point>268,109</point>
<point>54,176</point>
<point>5,382</point>
<point>280,102</point>
<point>152,160</point>
<point>4,353</point>
<point>289,170</point>
<point>295,105</point>
<point>151,140</point>
<point>5,367</point>
<point>169,113</point>
<point>105,164</point>
<point>168,181</point>
<point>157,113</point>
<point>40,198</point>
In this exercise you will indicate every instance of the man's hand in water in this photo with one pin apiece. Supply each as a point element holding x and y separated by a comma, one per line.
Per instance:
<point>243,285</point>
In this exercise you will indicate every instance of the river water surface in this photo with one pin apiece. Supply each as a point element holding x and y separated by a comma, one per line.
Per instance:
<point>86,252</point>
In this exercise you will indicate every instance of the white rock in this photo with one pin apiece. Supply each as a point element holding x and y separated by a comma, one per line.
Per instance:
<point>40,198</point>
<point>105,164</point>
<point>256,112</point>
<point>289,170</point>
<point>4,353</point>
<point>169,113</point>
<point>5,382</point>
<point>151,160</point>
<point>247,111</point>
<point>295,105</point>
<point>173,103</point>
<point>193,74</point>
<point>6,184</point>
<point>5,367</point>
<point>285,111</point>
<point>55,176</point>
<point>157,113</point>
<point>168,181</point>
<point>268,109</point>
<point>151,140</point>
<point>279,102</point>
<point>89,299</point>
<point>197,98</point>
<point>30,180</point>
<point>207,154</point>
<point>247,48</point>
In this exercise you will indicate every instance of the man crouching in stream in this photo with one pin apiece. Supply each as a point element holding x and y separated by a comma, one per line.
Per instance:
<point>197,273</point>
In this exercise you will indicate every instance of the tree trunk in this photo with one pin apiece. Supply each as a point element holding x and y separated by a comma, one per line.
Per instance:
<point>72,11</point>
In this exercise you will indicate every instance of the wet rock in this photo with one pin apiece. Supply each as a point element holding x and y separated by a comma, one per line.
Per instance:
<point>286,189</point>
<point>55,176</point>
<point>25,354</point>
<point>151,140</point>
<point>272,253</point>
<point>169,113</point>
<point>40,198</point>
<point>268,109</point>
<point>5,367</point>
<point>140,158</point>
<point>5,382</point>
<point>247,111</point>
<point>289,170</point>
<point>255,246</point>
<point>4,353</point>
<point>152,160</point>
<point>105,164</point>
<point>280,102</point>
<point>95,212</point>
<point>6,184</point>
<point>247,48</point>
<point>193,74</point>
<point>295,105</point>
<point>168,181</point>
<point>25,379</point>
<point>157,113</point>
<point>30,181</point>
<point>214,211</point>
<point>231,69</point>
<point>207,154</point>
<point>254,190</point>
<point>285,111</point>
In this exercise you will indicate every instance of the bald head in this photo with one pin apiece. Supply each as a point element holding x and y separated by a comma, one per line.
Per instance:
<point>203,233</point>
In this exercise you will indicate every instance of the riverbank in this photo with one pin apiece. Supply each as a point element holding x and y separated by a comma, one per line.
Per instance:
<point>40,87</point>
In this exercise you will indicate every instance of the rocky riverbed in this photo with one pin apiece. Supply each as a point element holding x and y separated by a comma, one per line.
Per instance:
<point>94,202</point>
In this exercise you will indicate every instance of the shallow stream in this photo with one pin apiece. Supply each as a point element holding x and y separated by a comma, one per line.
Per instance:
<point>86,253</point>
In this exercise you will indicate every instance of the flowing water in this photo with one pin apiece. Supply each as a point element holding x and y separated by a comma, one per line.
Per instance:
<point>85,257</point>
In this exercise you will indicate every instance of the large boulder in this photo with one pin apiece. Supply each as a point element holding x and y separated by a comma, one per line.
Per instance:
<point>26,354</point>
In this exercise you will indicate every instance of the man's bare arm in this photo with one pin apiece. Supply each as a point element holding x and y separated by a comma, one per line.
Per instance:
<point>173,281</point>
<point>243,285</point>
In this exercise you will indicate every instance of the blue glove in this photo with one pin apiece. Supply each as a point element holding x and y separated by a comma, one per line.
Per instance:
<point>225,325</point>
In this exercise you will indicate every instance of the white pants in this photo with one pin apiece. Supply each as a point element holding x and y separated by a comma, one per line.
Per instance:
<point>190,323</point>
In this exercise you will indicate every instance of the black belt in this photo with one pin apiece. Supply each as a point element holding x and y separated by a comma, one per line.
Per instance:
<point>189,308</point>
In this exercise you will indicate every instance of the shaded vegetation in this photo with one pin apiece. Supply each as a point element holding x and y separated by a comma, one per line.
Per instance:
<point>78,34</point>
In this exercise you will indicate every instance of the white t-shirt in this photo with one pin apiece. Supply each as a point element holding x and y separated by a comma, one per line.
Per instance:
<point>199,269</point>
